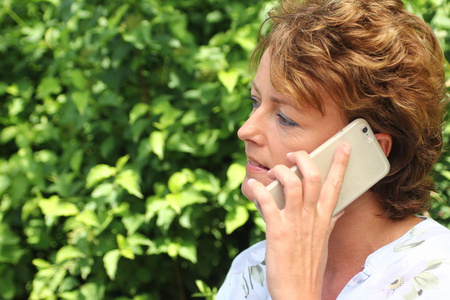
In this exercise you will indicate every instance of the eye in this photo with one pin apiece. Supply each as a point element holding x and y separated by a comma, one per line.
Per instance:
<point>285,120</point>
<point>255,102</point>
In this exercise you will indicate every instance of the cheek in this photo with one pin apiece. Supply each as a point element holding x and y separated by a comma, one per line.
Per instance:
<point>291,143</point>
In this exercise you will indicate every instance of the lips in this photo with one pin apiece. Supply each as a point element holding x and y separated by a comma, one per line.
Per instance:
<point>254,166</point>
<point>253,163</point>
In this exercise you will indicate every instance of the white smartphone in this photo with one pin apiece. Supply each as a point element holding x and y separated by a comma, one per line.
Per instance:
<point>367,165</point>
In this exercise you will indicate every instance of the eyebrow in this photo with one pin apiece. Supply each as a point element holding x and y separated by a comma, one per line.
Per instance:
<point>274,99</point>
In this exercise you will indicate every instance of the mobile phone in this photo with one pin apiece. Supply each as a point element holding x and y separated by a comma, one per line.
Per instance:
<point>367,164</point>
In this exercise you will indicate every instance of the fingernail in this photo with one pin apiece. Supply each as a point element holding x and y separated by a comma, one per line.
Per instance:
<point>347,148</point>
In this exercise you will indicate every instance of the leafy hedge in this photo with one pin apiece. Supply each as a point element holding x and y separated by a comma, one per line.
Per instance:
<point>119,162</point>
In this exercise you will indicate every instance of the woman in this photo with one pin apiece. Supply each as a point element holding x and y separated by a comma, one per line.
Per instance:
<point>324,64</point>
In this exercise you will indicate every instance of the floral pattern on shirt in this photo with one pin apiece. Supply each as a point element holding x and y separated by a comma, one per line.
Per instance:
<point>414,267</point>
<point>254,275</point>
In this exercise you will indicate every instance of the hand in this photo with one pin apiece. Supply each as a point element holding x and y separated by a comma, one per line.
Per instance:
<point>297,236</point>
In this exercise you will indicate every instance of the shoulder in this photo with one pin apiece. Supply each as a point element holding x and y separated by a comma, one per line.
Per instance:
<point>254,255</point>
<point>246,278</point>
<point>416,266</point>
<point>427,237</point>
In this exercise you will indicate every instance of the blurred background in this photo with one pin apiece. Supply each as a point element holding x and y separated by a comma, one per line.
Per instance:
<point>119,162</point>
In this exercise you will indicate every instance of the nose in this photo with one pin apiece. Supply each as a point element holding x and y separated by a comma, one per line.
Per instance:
<point>251,130</point>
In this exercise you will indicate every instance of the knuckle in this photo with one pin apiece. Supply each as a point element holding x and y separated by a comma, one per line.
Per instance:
<point>314,177</point>
<point>337,184</point>
<point>292,182</point>
<point>342,161</point>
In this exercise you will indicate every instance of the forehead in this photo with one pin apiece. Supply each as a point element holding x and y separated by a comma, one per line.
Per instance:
<point>265,81</point>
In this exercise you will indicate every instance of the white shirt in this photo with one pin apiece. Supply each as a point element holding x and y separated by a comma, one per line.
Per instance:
<point>415,266</point>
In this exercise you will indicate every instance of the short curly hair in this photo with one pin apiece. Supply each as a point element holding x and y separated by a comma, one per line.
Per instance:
<point>379,62</point>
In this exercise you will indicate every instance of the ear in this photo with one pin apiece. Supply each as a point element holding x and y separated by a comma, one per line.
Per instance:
<point>385,141</point>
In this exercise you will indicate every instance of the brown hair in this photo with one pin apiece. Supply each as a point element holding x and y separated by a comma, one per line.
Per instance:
<point>380,63</point>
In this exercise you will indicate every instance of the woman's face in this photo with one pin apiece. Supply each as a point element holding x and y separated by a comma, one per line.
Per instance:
<point>277,126</point>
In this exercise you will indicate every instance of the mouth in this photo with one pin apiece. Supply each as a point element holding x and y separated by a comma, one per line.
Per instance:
<point>256,164</point>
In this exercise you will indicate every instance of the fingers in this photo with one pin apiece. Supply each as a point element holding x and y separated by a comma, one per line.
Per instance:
<point>311,180</point>
<point>333,183</point>
<point>265,201</point>
<point>292,187</point>
<point>306,194</point>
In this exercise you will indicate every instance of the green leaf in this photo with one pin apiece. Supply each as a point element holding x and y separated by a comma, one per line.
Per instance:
<point>235,175</point>
<point>154,205</point>
<point>235,218</point>
<point>5,182</point>
<point>68,253</point>
<point>76,160</point>
<point>78,79</point>
<point>446,174</point>
<point>138,111</point>
<point>92,291</point>
<point>7,286</point>
<point>99,173</point>
<point>157,142</point>
<point>188,250</point>
<point>165,218</point>
<point>129,180</point>
<point>89,218</point>
<point>8,134</point>
<point>41,264</point>
<point>133,222</point>
<point>121,162</point>
<point>229,79</point>
<point>48,86</point>
<point>81,100</point>
<point>125,249</point>
<point>207,182</point>
<point>140,36</point>
<point>178,201</point>
<point>110,261</point>
<point>54,207</point>
<point>105,189</point>
<point>179,179</point>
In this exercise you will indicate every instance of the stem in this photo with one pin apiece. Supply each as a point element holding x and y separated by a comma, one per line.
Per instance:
<point>143,85</point>
<point>179,281</point>
<point>14,16</point>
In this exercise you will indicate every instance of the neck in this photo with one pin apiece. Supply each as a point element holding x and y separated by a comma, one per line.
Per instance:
<point>362,230</point>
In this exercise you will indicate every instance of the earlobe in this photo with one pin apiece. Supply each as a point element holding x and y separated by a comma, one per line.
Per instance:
<point>385,141</point>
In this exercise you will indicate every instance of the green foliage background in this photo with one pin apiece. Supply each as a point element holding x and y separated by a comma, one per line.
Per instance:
<point>119,162</point>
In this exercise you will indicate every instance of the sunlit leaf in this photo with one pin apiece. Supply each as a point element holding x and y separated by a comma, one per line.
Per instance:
<point>188,250</point>
<point>124,247</point>
<point>81,100</point>
<point>133,222</point>
<point>99,173</point>
<point>67,253</point>
<point>110,261</point>
<point>179,179</point>
<point>235,218</point>
<point>54,207</point>
<point>138,111</point>
<point>88,217</point>
<point>235,175</point>
<point>129,180</point>
<point>229,79</point>
<point>157,142</point>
